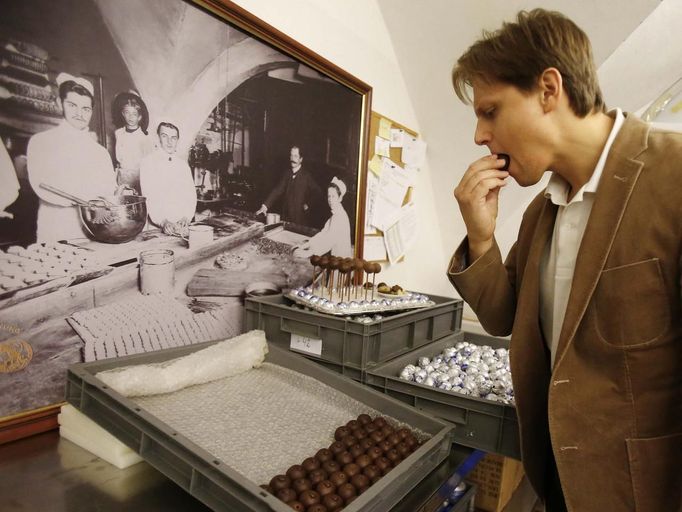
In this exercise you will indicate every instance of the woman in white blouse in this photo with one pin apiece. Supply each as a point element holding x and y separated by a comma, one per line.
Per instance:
<point>335,236</point>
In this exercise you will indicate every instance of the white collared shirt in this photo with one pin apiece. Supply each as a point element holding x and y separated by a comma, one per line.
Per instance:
<point>558,263</point>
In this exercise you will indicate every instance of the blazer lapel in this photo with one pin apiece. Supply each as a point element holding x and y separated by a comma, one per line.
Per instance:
<point>615,186</point>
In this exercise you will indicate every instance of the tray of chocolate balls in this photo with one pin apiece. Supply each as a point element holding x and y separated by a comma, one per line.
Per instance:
<point>364,450</point>
<point>339,288</point>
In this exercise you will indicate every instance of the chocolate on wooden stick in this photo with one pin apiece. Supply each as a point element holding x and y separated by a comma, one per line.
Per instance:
<point>314,261</point>
<point>367,266</point>
<point>324,265</point>
<point>358,265</point>
<point>376,268</point>
<point>334,265</point>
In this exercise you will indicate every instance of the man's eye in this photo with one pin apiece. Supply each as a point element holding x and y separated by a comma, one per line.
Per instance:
<point>489,113</point>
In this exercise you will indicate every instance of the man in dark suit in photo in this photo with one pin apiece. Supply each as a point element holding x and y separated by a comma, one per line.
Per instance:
<point>295,193</point>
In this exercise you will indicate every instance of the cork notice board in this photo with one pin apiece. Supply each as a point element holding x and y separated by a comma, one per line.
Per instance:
<point>380,133</point>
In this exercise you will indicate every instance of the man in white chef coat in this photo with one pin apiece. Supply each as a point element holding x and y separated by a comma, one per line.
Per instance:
<point>68,158</point>
<point>166,181</point>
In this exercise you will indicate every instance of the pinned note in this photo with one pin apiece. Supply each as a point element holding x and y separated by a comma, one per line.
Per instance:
<point>375,165</point>
<point>414,151</point>
<point>385,128</point>
<point>397,135</point>
<point>382,147</point>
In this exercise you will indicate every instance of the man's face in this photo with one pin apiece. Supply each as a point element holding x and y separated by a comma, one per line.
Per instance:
<point>295,157</point>
<point>131,116</point>
<point>512,121</point>
<point>168,138</point>
<point>77,110</point>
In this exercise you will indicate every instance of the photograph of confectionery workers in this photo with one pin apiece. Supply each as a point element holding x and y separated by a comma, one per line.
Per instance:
<point>166,161</point>
<point>340,256</point>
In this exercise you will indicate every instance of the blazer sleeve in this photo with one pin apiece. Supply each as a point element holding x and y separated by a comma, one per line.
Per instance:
<point>487,285</point>
<point>276,193</point>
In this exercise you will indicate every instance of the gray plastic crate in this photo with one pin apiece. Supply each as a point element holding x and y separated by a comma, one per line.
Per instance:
<point>480,423</point>
<point>214,482</point>
<point>350,347</point>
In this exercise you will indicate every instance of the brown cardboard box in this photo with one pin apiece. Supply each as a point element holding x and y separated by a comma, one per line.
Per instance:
<point>497,478</point>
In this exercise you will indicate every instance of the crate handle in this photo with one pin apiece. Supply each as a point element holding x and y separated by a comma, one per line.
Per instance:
<point>300,328</point>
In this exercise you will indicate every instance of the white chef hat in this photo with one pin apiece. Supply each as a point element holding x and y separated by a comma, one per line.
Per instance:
<point>65,77</point>
<point>340,185</point>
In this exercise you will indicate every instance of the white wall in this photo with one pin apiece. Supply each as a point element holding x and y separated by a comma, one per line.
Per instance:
<point>352,34</point>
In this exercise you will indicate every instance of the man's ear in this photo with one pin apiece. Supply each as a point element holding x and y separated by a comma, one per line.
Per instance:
<point>550,85</point>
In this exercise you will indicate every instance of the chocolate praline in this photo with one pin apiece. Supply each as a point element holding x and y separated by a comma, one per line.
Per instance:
<point>410,441</point>
<point>333,502</point>
<point>324,455</point>
<point>310,464</point>
<point>360,434</point>
<point>325,487</point>
<point>356,450</point>
<point>351,469</point>
<point>377,436</point>
<point>363,461</point>
<point>387,430</point>
<point>364,419</point>
<point>286,495</point>
<point>394,439</point>
<point>295,472</point>
<point>371,427</point>
<point>404,432</point>
<point>361,482</point>
<point>296,505</point>
<point>394,456</point>
<point>385,445</point>
<point>301,484</point>
<point>338,478</point>
<point>309,498</point>
<point>380,421</point>
<point>316,476</point>
<point>280,482</point>
<point>372,472</point>
<point>344,458</point>
<point>366,443</point>
<point>383,464</point>
<point>331,466</point>
<point>403,449</point>
<point>349,441</point>
<point>317,507</point>
<point>337,447</point>
<point>346,491</point>
<point>375,452</point>
<point>352,425</point>
<point>340,433</point>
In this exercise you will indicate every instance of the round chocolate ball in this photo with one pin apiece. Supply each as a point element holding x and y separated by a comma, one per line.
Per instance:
<point>403,449</point>
<point>317,507</point>
<point>367,267</point>
<point>377,436</point>
<point>296,505</point>
<point>309,498</point>
<point>387,430</point>
<point>344,458</point>
<point>325,487</point>
<point>375,452</point>
<point>316,476</point>
<point>364,419</point>
<point>351,469</point>
<point>360,434</point>
<point>404,432</point>
<point>331,466</point>
<point>310,464</point>
<point>286,495</point>
<point>371,427</point>
<point>356,450</point>
<point>363,461</point>
<point>341,432</point>
<point>383,464</point>
<point>380,421</point>
<point>346,492</point>
<point>349,441</point>
<point>394,456</point>
<point>315,260</point>
<point>372,472</point>
<point>333,502</point>
<point>324,455</point>
<point>280,482</point>
<point>361,482</point>
<point>352,425</point>
<point>410,441</point>
<point>338,478</point>
<point>295,472</point>
<point>385,445</point>
<point>366,443</point>
<point>301,484</point>
<point>336,448</point>
<point>394,439</point>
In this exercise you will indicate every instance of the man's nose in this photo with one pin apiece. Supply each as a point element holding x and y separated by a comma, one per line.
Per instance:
<point>481,135</point>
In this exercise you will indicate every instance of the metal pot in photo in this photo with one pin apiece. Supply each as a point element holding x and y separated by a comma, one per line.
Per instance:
<point>114,219</point>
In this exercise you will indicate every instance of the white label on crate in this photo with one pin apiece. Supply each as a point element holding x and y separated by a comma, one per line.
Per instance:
<point>305,344</point>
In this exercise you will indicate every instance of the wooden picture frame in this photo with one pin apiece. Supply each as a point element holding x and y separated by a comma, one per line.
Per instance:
<point>217,62</point>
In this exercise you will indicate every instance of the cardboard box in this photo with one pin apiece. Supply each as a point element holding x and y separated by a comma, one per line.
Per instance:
<point>497,478</point>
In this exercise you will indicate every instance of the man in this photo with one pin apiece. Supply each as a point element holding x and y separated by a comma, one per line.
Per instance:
<point>297,192</point>
<point>166,181</point>
<point>590,292</point>
<point>67,158</point>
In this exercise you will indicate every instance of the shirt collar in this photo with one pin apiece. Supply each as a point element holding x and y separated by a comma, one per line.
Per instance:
<point>557,189</point>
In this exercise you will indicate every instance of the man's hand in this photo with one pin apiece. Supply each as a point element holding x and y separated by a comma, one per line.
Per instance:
<point>477,195</point>
<point>262,210</point>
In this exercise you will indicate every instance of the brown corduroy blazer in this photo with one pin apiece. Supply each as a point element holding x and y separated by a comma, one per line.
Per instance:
<point>612,406</point>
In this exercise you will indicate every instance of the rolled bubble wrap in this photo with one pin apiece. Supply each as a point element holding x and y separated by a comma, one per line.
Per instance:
<point>224,359</point>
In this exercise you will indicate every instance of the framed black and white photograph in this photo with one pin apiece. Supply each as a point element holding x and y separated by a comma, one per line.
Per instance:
<point>150,136</point>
